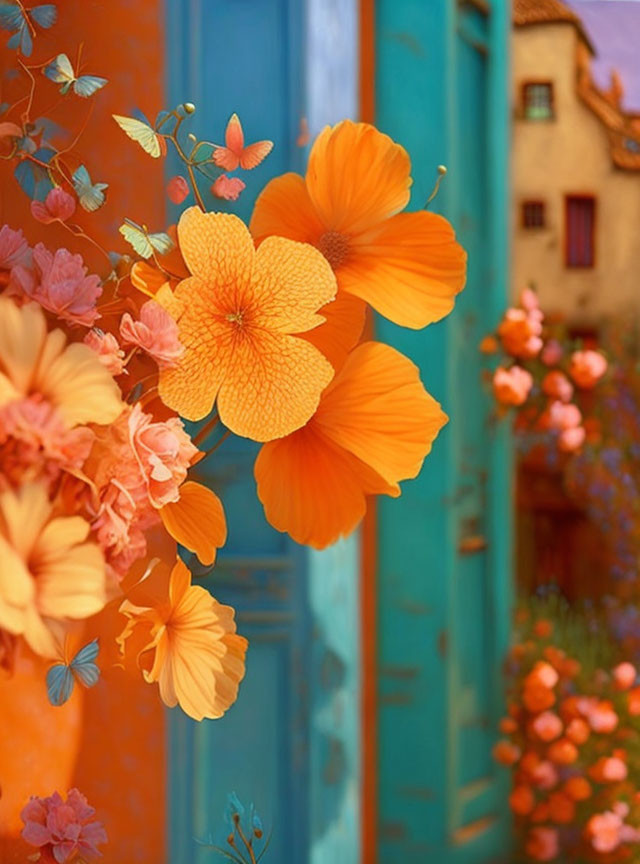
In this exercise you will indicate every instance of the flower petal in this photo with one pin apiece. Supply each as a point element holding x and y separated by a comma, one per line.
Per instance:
<point>377,409</point>
<point>272,386</point>
<point>345,317</point>
<point>409,270</point>
<point>312,488</point>
<point>284,209</point>
<point>196,521</point>
<point>291,282</point>
<point>217,247</point>
<point>22,332</point>
<point>357,177</point>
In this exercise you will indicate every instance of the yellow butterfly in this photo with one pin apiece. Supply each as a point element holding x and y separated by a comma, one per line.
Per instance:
<point>143,134</point>
<point>144,243</point>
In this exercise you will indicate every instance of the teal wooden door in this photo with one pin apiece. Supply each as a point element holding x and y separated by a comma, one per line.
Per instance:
<point>290,744</point>
<point>444,557</point>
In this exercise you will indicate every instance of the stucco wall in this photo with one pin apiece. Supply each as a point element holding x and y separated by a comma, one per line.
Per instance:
<point>570,155</point>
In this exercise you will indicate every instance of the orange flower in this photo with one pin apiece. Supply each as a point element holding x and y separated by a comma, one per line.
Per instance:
<point>48,572</point>
<point>197,521</point>
<point>563,752</point>
<point>543,628</point>
<point>506,753</point>
<point>522,800</point>
<point>633,703</point>
<point>578,788</point>
<point>187,643</point>
<point>69,377</point>
<point>578,730</point>
<point>536,697</point>
<point>374,427</point>
<point>237,315</point>
<point>508,726</point>
<point>408,266</point>
<point>562,809</point>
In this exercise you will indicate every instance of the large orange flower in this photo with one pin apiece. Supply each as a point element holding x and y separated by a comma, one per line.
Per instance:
<point>408,266</point>
<point>48,572</point>
<point>70,377</point>
<point>236,315</point>
<point>374,427</point>
<point>187,643</point>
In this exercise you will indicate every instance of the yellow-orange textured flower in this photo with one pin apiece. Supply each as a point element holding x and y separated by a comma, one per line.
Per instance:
<point>48,572</point>
<point>408,266</point>
<point>236,315</point>
<point>70,377</point>
<point>187,643</point>
<point>373,428</point>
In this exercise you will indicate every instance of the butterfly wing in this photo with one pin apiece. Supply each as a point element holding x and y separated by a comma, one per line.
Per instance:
<point>142,133</point>
<point>228,157</point>
<point>60,70</point>
<point>255,153</point>
<point>90,195</point>
<point>136,237</point>
<point>87,85</point>
<point>161,242</point>
<point>83,665</point>
<point>44,15</point>
<point>11,17</point>
<point>59,684</point>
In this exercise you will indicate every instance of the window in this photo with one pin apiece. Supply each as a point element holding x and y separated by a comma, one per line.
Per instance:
<point>580,212</point>
<point>538,100</point>
<point>533,214</point>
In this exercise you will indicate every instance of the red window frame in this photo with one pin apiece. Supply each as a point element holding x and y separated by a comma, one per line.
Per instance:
<point>533,214</point>
<point>580,231</point>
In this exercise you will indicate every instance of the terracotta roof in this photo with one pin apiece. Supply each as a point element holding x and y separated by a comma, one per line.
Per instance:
<point>527,12</point>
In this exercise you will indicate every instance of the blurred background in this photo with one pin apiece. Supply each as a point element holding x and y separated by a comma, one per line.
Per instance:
<point>364,728</point>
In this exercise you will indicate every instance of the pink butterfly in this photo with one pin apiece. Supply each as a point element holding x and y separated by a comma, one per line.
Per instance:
<point>235,154</point>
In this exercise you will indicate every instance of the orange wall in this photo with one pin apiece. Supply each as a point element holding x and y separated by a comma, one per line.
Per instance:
<point>121,760</point>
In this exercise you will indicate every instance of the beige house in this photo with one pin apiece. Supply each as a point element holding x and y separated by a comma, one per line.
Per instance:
<point>576,171</point>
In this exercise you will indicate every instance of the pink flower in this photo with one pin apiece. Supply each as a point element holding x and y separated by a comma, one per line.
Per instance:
<point>542,844</point>
<point>177,189</point>
<point>63,829</point>
<point>614,769</point>
<point>545,775</point>
<point>551,353</point>
<point>520,332</point>
<point>511,386</point>
<point>570,440</point>
<point>529,300</point>
<point>63,287</point>
<point>58,206</point>
<point>603,830</point>
<point>557,385</point>
<point>227,187</point>
<point>547,726</point>
<point>156,333</point>
<point>14,249</point>
<point>107,348</point>
<point>624,675</point>
<point>545,674</point>
<point>163,452</point>
<point>587,368</point>
<point>560,416</point>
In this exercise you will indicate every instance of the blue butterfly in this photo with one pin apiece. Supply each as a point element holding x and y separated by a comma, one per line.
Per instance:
<point>60,71</point>
<point>90,195</point>
<point>12,18</point>
<point>61,677</point>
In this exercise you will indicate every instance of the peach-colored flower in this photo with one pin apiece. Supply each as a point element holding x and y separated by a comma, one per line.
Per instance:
<point>587,368</point>
<point>562,752</point>
<point>542,844</point>
<point>14,249</point>
<point>63,830</point>
<point>512,386</point>
<point>545,775</point>
<point>609,769</point>
<point>603,829</point>
<point>624,675</point>
<point>58,206</point>
<point>601,716</point>
<point>544,674</point>
<point>578,730</point>
<point>520,332</point>
<point>163,452</point>
<point>547,726</point>
<point>227,187</point>
<point>177,189</point>
<point>561,416</point>
<point>61,285</point>
<point>48,570</point>
<point>34,441</point>
<point>69,377</point>
<point>156,333</point>
<point>187,643</point>
<point>570,440</point>
<point>529,300</point>
<point>557,385</point>
<point>107,348</point>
